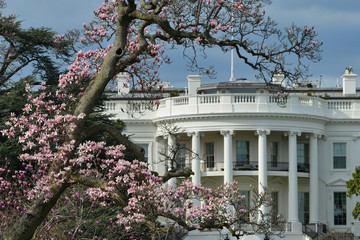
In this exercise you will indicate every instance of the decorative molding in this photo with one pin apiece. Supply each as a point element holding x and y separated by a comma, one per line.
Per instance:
<point>227,132</point>
<point>355,137</point>
<point>244,115</point>
<point>195,133</point>
<point>292,133</point>
<point>262,131</point>
<point>337,182</point>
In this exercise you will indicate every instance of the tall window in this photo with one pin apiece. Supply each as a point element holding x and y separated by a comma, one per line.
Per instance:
<point>242,153</point>
<point>303,207</point>
<point>339,208</point>
<point>274,154</point>
<point>246,202</point>
<point>210,162</point>
<point>339,155</point>
<point>303,156</point>
<point>146,148</point>
<point>181,156</point>
<point>274,206</point>
<point>303,153</point>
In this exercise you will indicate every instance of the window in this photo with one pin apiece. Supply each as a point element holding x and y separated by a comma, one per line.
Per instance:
<point>303,207</point>
<point>246,202</point>
<point>242,91</point>
<point>339,155</point>
<point>210,163</point>
<point>210,91</point>
<point>146,148</point>
<point>274,154</point>
<point>274,206</point>
<point>303,157</point>
<point>181,156</point>
<point>303,153</point>
<point>242,153</point>
<point>339,208</point>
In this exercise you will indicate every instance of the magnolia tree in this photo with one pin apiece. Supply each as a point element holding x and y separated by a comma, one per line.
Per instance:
<point>58,158</point>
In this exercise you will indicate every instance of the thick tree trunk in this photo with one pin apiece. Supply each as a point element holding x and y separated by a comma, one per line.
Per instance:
<point>25,228</point>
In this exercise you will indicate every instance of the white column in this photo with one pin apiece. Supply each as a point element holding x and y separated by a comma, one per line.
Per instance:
<point>195,160</point>
<point>170,152</point>
<point>159,148</point>
<point>262,163</point>
<point>228,158</point>
<point>293,183</point>
<point>151,156</point>
<point>314,179</point>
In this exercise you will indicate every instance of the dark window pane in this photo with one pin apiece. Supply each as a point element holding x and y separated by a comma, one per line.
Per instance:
<point>339,155</point>
<point>146,148</point>
<point>339,208</point>
<point>210,159</point>
<point>242,153</point>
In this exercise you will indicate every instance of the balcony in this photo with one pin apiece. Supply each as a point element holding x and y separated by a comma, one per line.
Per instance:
<point>253,166</point>
<point>257,103</point>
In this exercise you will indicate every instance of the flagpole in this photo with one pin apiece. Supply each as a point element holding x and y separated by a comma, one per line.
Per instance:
<point>232,78</point>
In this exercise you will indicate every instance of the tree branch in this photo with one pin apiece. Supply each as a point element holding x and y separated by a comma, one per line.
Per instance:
<point>117,135</point>
<point>185,172</point>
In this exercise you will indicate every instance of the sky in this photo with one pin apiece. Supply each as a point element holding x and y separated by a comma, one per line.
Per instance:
<point>337,24</point>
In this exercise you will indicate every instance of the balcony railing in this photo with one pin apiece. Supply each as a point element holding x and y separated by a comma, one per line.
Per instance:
<point>230,103</point>
<point>253,166</point>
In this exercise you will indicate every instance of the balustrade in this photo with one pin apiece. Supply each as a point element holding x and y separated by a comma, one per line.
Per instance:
<point>253,166</point>
<point>223,103</point>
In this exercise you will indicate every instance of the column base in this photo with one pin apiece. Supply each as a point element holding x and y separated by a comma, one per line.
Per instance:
<point>208,235</point>
<point>172,183</point>
<point>294,227</point>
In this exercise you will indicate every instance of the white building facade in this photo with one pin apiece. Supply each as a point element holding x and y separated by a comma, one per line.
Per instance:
<point>304,149</point>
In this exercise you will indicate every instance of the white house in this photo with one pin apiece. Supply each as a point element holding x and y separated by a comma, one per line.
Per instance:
<point>303,144</point>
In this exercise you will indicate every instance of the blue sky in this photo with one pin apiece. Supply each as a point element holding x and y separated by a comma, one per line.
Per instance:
<point>337,23</point>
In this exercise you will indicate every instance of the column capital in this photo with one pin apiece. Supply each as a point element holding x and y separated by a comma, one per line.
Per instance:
<point>355,137</point>
<point>227,132</point>
<point>317,135</point>
<point>262,131</point>
<point>168,136</point>
<point>190,134</point>
<point>292,133</point>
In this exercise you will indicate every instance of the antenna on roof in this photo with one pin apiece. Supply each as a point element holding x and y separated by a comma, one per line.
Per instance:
<point>320,80</point>
<point>337,83</point>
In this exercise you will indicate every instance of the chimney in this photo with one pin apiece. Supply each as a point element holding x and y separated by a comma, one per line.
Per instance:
<point>194,82</point>
<point>349,82</point>
<point>123,83</point>
<point>278,78</point>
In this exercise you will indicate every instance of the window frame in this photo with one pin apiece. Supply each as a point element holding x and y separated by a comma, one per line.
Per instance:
<point>146,149</point>
<point>180,157</point>
<point>239,162</point>
<point>306,210</point>
<point>210,157</point>
<point>344,211</point>
<point>274,163</point>
<point>247,202</point>
<point>333,155</point>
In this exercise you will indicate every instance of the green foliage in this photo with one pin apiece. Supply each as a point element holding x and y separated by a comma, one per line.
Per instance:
<point>12,100</point>
<point>353,186</point>
<point>174,93</point>
<point>33,46</point>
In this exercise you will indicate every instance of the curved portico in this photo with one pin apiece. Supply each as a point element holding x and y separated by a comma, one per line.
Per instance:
<point>248,146</point>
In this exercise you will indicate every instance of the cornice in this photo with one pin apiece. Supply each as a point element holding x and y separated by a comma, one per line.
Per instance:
<point>138,122</point>
<point>242,115</point>
<point>355,121</point>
